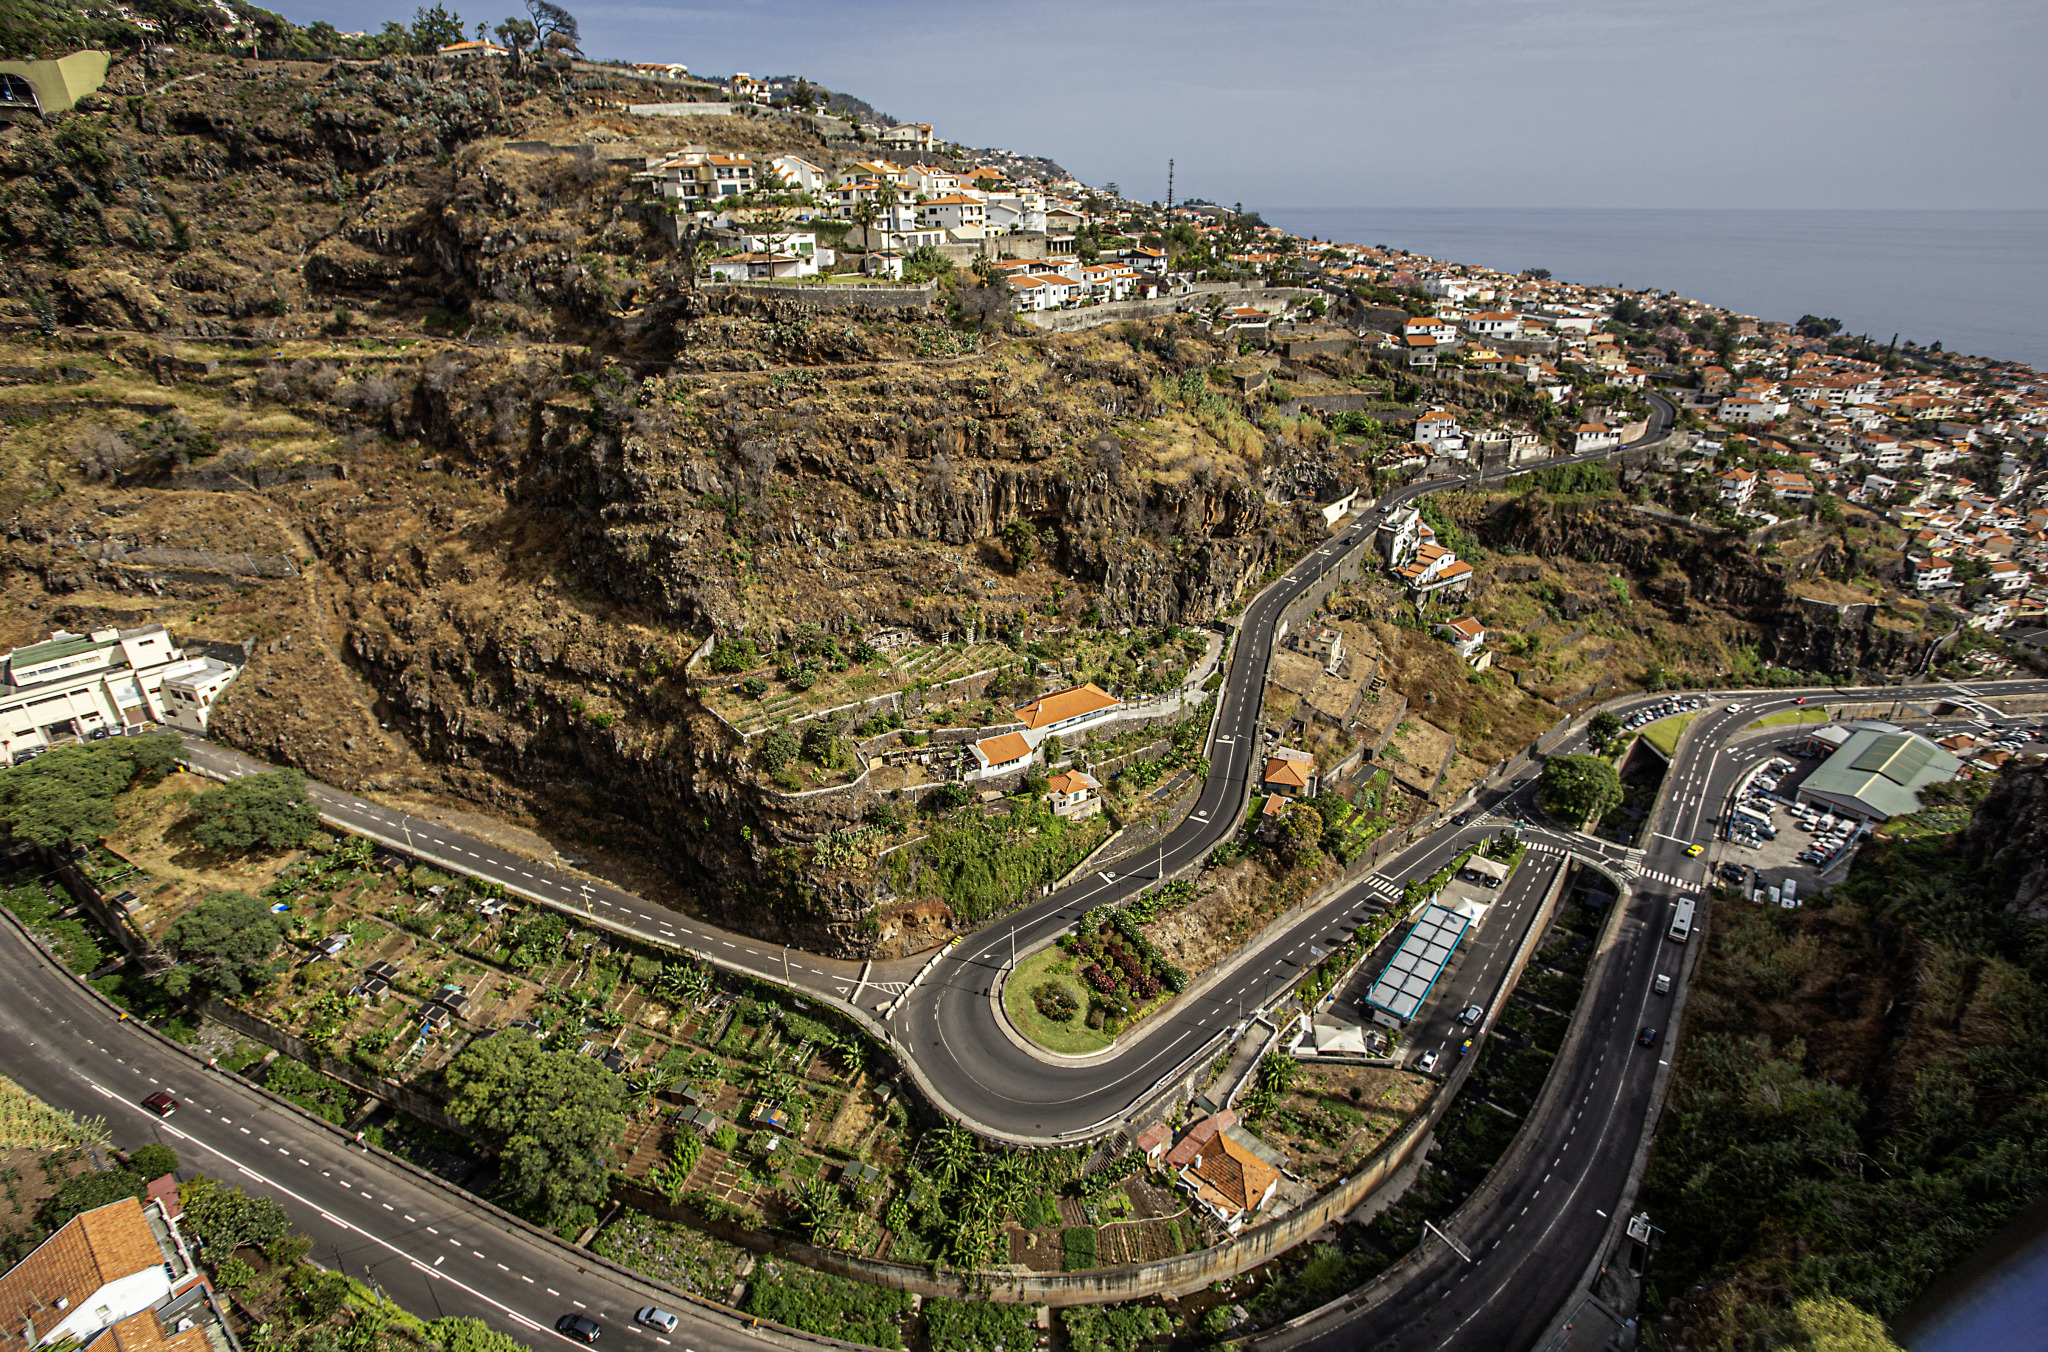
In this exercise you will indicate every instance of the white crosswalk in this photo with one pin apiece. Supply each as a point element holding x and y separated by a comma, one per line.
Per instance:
<point>1385,886</point>
<point>1681,884</point>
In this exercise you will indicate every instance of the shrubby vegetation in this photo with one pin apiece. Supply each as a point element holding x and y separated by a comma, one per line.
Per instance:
<point>271,810</point>
<point>552,1116</point>
<point>831,1306</point>
<point>1578,788</point>
<point>66,796</point>
<point>1831,1149</point>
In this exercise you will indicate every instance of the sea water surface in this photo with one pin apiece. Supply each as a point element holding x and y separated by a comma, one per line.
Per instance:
<point>1975,281</point>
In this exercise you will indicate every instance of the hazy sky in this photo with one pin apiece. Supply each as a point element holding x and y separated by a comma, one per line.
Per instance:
<point>1675,103</point>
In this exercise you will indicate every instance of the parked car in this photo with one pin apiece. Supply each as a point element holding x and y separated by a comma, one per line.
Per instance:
<point>1648,1037</point>
<point>161,1103</point>
<point>580,1327</point>
<point>1427,1064</point>
<point>654,1317</point>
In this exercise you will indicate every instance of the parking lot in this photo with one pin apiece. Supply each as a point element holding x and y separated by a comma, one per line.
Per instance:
<point>1753,859</point>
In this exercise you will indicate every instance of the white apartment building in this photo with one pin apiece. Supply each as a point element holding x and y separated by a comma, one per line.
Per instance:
<point>73,686</point>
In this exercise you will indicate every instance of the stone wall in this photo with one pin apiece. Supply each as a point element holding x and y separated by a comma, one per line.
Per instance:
<point>403,1097</point>
<point>829,294</point>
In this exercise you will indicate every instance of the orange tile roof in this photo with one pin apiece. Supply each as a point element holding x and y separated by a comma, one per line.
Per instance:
<point>1062,705</point>
<point>1072,781</point>
<point>1293,773</point>
<point>1004,749</point>
<point>100,1246</point>
<point>1235,1172</point>
<point>145,1333</point>
<point>1200,1135</point>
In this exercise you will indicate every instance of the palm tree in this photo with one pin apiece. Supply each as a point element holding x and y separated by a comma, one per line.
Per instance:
<point>863,215</point>
<point>886,198</point>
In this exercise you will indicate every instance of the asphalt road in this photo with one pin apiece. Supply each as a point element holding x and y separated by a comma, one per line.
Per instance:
<point>1533,1242</point>
<point>433,1251</point>
<point>946,1022</point>
<point>940,1018</point>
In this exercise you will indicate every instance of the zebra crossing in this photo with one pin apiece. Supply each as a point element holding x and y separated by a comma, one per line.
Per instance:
<point>1682,884</point>
<point>1385,886</point>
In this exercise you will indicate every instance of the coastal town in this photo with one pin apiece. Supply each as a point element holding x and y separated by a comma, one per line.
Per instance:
<point>802,728</point>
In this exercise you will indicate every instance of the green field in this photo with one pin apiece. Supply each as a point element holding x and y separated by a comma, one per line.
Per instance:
<point>1663,734</point>
<point>1785,716</point>
<point>1075,1038</point>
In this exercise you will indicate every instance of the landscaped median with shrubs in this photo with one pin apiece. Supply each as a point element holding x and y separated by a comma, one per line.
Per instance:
<point>1080,995</point>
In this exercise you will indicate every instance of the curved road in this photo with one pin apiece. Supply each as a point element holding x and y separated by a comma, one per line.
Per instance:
<point>1535,1241</point>
<point>947,1025</point>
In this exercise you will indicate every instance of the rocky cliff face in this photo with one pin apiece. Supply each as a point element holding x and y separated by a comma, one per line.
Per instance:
<point>562,466</point>
<point>2008,838</point>
<point>1688,571</point>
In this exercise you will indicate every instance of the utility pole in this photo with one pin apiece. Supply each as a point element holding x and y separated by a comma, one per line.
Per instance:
<point>1169,185</point>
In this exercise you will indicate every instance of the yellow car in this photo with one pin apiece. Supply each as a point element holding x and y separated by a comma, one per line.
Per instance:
<point>1695,851</point>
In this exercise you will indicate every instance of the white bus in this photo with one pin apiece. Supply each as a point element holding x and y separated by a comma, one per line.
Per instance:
<point>1681,924</point>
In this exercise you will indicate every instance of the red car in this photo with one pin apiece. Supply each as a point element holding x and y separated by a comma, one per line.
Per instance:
<point>1800,700</point>
<point>160,1103</point>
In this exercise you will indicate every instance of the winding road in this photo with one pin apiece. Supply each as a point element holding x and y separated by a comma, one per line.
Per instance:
<point>1530,1244</point>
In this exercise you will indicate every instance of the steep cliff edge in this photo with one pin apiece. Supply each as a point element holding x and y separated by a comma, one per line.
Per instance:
<point>402,327</point>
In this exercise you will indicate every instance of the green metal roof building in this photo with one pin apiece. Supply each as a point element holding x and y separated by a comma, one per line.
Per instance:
<point>1878,773</point>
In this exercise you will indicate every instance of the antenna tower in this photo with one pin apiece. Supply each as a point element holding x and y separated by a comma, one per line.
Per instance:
<point>1169,185</point>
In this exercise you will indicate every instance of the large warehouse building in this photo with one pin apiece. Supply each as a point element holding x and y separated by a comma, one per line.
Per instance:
<point>1878,772</point>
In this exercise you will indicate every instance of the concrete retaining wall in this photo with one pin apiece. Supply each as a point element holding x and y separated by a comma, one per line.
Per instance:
<point>402,1097</point>
<point>825,293</point>
<point>1158,307</point>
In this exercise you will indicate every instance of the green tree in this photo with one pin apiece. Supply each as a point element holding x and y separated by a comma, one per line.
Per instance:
<point>1302,836</point>
<point>1576,789</point>
<point>552,1116</point>
<point>734,654</point>
<point>223,946</point>
<point>224,1218</point>
<point>778,749</point>
<point>272,810</point>
<point>1021,537</point>
<point>1602,730</point>
<point>471,1335</point>
<point>435,28</point>
<point>66,796</point>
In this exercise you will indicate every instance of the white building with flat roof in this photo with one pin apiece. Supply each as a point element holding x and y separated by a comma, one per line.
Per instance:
<point>73,686</point>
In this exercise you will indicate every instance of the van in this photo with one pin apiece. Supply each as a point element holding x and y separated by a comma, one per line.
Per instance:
<point>1663,984</point>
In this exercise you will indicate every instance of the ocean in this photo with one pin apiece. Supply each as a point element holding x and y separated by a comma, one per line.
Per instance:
<point>1975,281</point>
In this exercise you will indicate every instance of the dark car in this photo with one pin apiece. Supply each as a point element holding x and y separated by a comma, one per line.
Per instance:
<point>160,1103</point>
<point>1732,872</point>
<point>1461,819</point>
<point>1648,1037</point>
<point>580,1327</point>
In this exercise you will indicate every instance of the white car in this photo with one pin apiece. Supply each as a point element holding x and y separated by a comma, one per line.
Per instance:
<point>1427,1065</point>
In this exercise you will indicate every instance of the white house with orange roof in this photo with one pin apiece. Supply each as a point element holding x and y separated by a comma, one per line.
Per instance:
<point>1000,755</point>
<point>1074,794</point>
<point>1789,485</point>
<point>1738,486</point>
<point>962,217</point>
<point>800,173</point>
<point>1494,324</point>
<point>1065,712</point>
<point>1465,634</point>
<point>1594,436</point>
